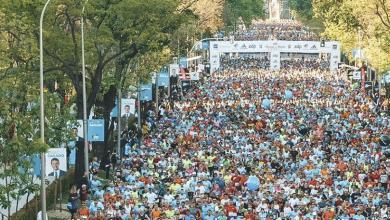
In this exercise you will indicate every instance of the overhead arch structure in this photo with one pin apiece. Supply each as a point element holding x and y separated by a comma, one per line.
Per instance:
<point>274,49</point>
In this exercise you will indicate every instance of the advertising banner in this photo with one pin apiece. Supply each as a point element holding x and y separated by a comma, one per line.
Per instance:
<point>56,162</point>
<point>127,107</point>
<point>194,76</point>
<point>183,62</point>
<point>274,47</point>
<point>96,130</point>
<point>174,69</point>
<point>163,79</point>
<point>146,92</point>
<point>114,111</point>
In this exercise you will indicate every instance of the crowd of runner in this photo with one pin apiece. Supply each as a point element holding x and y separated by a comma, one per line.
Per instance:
<point>302,64</point>
<point>247,63</point>
<point>253,144</point>
<point>244,63</point>
<point>276,30</point>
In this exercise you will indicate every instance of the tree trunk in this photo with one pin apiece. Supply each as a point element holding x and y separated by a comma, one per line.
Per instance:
<point>79,171</point>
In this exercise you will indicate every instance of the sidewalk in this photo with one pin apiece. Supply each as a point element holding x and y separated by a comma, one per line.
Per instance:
<point>57,214</point>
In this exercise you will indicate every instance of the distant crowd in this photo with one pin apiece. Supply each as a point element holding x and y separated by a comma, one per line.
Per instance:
<point>247,63</point>
<point>242,63</point>
<point>276,30</point>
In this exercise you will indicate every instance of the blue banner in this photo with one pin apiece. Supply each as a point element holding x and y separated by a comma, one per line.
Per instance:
<point>114,111</point>
<point>163,79</point>
<point>36,163</point>
<point>96,130</point>
<point>72,157</point>
<point>183,62</point>
<point>146,92</point>
<point>205,45</point>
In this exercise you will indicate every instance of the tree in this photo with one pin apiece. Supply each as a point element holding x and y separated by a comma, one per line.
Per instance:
<point>115,33</point>
<point>247,10</point>
<point>303,8</point>
<point>358,24</point>
<point>19,132</point>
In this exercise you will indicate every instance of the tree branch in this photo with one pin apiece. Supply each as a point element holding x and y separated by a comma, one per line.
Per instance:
<point>380,16</point>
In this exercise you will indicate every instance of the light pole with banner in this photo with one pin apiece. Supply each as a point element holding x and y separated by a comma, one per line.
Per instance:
<point>42,114</point>
<point>85,131</point>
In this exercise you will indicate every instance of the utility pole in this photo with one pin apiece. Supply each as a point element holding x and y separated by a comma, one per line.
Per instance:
<point>118,146</point>
<point>139,115</point>
<point>42,114</point>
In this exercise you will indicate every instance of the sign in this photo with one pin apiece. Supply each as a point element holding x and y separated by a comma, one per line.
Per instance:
<point>56,162</point>
<point>194,76</point>
<point>357,53</point>
<point>201,67</point>
<point>274,48</point>
<point>183,62</point>
<point>80,128</point>
<point>128,107</point>
<point>36,163</point>
<point>114,111</point>
<point>146,92</point>
<point>357,75</point>
<point>163,79</point>
<point>205,45</point>
<point>174,69</point>
<point>96,130</point>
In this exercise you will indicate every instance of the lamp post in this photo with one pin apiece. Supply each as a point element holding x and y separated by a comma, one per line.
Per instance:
<point>42,113</point>
<point>85,131</point>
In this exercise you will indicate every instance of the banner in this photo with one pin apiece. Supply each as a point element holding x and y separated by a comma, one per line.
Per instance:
<point>127,107</point>
<point>194,76</point>
<point>205,45</point>
<point>146,92</point>
<point>200,67</point>
<point>163,79</point>
<point>36,163</point>
<point>72,157</point>
<point>357,75</point>
<point>96,130</point>
<point>183,62</point>
<point>56,162</point>
<point>174,69</point>
<point>114,111</point>
<point>357,53</point>
<point>274,48</point>
<point>79,128</point>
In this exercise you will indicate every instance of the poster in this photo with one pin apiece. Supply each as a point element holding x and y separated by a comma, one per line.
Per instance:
<point>163,79</point>
<point>96,130</point>
<point>174,70</point>
<point>146,92</point>
<point>194,76</point>
<point>114,111</point>
<point>56,162</point>
<point>128,107</point>
<point>79,128</point>
<point>183,62</point>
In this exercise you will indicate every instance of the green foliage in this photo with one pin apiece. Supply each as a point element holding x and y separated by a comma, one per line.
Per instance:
<point>245,9</point>
<point>358,24</point>
<point>303,8</point>
<point>117,33</point>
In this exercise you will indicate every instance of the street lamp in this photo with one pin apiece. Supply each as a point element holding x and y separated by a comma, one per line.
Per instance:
<point>84,93</point>
<point>42,113</point>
